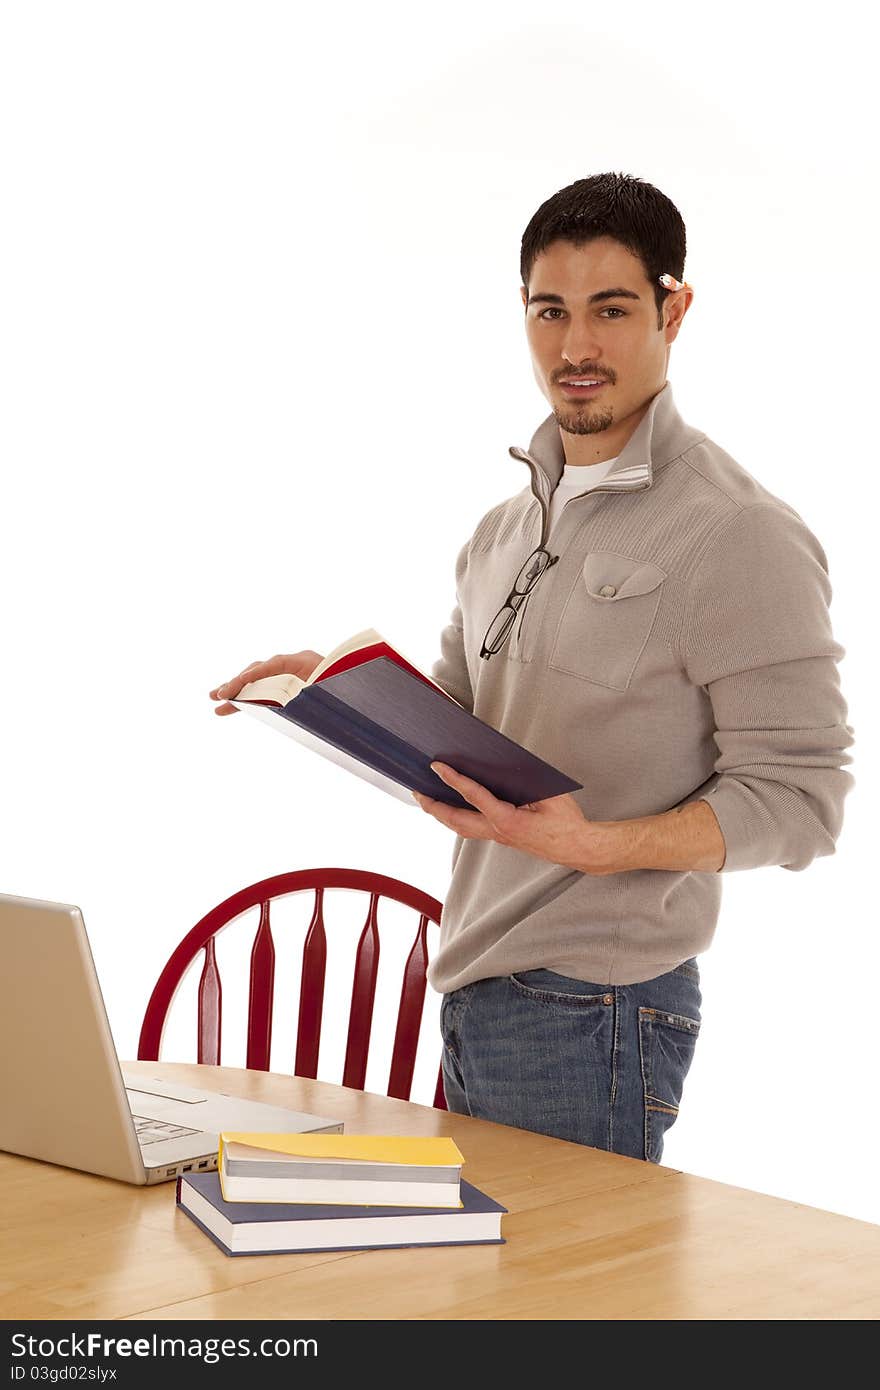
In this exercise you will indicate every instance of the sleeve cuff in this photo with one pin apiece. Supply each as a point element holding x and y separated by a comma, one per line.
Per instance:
<point>755,836</point>
<point>749,841</point>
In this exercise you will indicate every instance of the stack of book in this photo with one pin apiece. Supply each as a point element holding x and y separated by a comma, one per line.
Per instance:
<point>288,1193</point>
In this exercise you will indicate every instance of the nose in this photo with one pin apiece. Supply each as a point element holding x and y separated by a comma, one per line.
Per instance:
<point>580,344</point>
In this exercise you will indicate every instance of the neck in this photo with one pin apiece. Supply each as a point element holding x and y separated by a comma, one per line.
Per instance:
<point>582,450</point>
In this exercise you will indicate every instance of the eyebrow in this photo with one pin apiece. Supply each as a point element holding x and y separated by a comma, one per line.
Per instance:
<point>593,299</point>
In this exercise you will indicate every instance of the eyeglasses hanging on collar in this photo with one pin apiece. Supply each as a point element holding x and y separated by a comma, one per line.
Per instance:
<point>501,625</point>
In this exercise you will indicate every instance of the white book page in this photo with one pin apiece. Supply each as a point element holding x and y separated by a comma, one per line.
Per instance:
<point>352,644</point>
<point>281,688</point>
<point>234,1149</point>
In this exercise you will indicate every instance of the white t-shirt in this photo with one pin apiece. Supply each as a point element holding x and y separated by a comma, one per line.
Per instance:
<point>576,478</point>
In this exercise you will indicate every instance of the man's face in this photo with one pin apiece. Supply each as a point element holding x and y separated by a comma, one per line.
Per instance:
<point>615,338</point>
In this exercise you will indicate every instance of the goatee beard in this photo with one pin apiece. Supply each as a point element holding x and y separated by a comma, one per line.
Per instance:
<point>584,422</point>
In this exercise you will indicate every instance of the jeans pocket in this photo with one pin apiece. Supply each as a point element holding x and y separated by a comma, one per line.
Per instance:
<point>667,1042</point>
<point>546,987</point>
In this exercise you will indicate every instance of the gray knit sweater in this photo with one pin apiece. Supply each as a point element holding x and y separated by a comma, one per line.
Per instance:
<point>680,649</point>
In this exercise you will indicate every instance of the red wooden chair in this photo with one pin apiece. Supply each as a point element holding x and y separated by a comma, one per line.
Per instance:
<point>262,977</point>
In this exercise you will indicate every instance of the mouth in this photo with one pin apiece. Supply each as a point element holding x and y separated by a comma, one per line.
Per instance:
<point>582,387</point>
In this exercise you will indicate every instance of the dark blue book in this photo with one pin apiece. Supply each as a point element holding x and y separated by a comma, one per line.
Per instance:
<point>270,1228</point>
<point>381,718</point>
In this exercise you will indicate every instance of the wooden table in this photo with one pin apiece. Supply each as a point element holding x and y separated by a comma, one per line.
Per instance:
<point>589,1235</point>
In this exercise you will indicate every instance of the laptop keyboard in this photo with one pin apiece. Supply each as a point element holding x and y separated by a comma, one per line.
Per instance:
<point>152,1131</point>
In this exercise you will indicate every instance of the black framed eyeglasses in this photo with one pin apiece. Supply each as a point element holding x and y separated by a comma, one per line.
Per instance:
<point>501,625</point>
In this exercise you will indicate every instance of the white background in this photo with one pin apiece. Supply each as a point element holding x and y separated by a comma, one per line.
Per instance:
<point>262,359</point>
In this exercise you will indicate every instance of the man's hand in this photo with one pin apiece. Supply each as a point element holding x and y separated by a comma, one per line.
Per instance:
<point>687,837</point>
<point>300,664</point>
<point>555,828</point>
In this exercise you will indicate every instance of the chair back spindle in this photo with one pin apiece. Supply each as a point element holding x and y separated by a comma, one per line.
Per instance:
<point>409,1015</point>
<point>363,995</point>
<point>311,995</point>
<point>262,986</point>
<point>210,1009</point>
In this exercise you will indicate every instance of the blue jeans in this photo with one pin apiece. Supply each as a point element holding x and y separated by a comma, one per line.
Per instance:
<point>602,1065</point>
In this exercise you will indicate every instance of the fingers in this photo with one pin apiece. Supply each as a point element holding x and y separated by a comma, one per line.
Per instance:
<point>472,791</point>
<point>300,664</point>
<point>231,688</point>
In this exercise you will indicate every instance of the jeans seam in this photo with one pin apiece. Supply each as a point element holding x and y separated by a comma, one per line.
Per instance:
<point>615,1038</point>
<point>642,1043</point>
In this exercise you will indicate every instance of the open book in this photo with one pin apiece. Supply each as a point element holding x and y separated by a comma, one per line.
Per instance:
<point>373,712</point>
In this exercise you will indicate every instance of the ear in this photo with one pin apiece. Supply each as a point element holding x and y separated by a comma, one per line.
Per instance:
<point>676,313</point>
<point>524,294</point>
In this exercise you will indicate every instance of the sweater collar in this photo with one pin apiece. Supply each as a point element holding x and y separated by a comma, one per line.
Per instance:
<point>660,437</point>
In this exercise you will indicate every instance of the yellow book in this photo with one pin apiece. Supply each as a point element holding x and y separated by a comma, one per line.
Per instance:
<point>340,1169</point>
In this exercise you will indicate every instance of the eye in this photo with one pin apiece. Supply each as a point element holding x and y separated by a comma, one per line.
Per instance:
<point>612,309</point>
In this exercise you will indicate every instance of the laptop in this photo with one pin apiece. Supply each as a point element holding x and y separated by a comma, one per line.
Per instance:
<point>65,1098</point>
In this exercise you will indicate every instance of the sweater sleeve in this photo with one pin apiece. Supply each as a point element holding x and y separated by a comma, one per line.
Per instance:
<point>451,671</point>
<point>757,636</point>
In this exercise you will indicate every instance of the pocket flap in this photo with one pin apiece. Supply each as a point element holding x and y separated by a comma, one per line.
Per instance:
<point>627,577</point>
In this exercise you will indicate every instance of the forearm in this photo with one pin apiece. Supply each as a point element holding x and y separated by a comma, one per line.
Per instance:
<point>688,837</point>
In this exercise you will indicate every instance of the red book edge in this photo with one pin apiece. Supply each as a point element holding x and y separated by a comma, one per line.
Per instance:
<point>359,658</point>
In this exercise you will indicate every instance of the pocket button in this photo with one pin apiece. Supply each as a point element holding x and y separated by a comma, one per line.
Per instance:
<point>608,591</point>
<point>609,999</point>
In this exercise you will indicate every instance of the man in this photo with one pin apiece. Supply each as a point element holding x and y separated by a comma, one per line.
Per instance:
<point>648,618</point>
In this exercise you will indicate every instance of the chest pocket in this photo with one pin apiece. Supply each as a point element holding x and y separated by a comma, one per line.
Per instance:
<point>608,618</point>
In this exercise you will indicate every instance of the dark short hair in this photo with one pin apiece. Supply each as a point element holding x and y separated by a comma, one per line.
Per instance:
<point>621,206</point>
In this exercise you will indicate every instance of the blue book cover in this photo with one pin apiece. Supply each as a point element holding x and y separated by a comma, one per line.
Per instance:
<point>381,715</point>
<point>265,1228</point>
